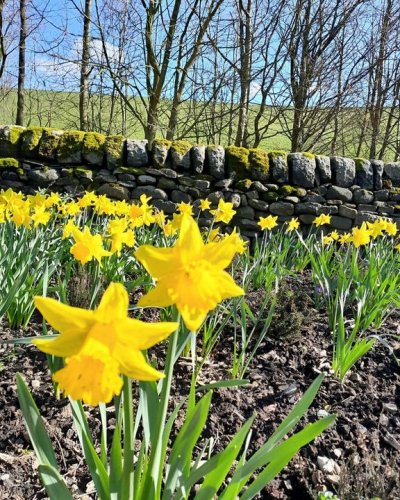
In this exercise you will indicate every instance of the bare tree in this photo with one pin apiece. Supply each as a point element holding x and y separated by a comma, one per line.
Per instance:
<point>85,69</point>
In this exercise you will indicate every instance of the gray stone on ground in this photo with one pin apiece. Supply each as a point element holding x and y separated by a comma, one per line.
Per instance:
<point>339,193</point>
<point>392,171</point>
<point>137,153</point>
<point>323,171</point>
<point>216,161</point>
<point>198,157</point>
<point>302,169</point>
<point>365,174</point>
<point>281,208</point>
<point>350,213</point>
<point>307,208</point>
<point>343,171</point>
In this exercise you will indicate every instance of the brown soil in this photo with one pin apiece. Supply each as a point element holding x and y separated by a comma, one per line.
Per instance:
<point>364,441</point>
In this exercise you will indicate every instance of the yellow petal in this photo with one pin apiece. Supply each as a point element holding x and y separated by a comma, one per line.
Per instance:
<point>139,335</point>
<point>66,319</point>
<point>221,253</point>
<point>155,260</point>
<point>190,238</point>
<point>134,365</point>
<point>156,297</point>
<point>114,304</point>
<point>66,344</point>
<point>227,286</point>
<point>193,318</point>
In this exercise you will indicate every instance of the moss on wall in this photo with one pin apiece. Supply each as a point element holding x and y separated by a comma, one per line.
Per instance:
<point>273,155</point>
<point>259,161</point>
<point>307,154</point>
<point>9,163</point>
<point>9,140</point>
<point>181,147</point>
<point>48,143</point>
<point>360,162</point>
<point>70,144</point>
<point>93,143</point>
<point>113,146</point>
<point>238,164</point>
<point>29,141</point>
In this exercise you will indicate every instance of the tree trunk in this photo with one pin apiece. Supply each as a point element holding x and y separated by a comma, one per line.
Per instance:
<point>21,63</point>
<point>84,80</point>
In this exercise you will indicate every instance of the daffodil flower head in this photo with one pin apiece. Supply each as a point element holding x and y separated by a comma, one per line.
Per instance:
<point>293,224</point>
<point>268,223</point>
<point>185,208</point>
<point>88,246</point>
<point>360,235</point>
<point>322,219</point>
<point>100,345</point>
<point>224,212</point>
<point>191,274</point>
<point>205,204</point>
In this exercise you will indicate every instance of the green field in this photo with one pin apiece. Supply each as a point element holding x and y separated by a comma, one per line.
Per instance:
<point>197,123</point>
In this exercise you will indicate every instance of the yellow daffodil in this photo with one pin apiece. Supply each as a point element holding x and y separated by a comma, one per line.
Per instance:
<point>69,229</point>
<point>52,200</point>
<point>120,235</point>
<point>190,274</point>
<point>327,240</point>
<point>322,219</point>
<point>240,244</point>
<point>268,222</point>
<point>345,238</point>
<point>20,216</point>
<point>170,229</point>
<point>40,216</point>
<point>205,204</point>
<point>391,228</point>
<point>293,224</point>
<point>397,247</point>
<point>160,218</point>
<point>376,228</point>
<point>214,234</point>
<point>224,212</point>
<point>335,235</point>
<point>360,235</point>
<point>87,246</point>
<point>100,345</point>
<point>184,208</point>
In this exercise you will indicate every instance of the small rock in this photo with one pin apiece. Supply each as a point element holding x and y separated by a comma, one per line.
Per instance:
<point>328,465</point>
<point>390,407</point>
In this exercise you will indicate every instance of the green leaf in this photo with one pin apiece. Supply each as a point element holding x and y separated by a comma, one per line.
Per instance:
<point>54,484</point>
<point>37,432</point>
<point>182,450</point>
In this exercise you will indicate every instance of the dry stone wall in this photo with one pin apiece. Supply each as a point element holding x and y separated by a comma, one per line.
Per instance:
<point>257,182</point>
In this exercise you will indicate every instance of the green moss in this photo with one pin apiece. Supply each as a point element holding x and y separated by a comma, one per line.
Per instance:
<point>287,190</point>
<point>237,162</point>
<point>270,196</point>
<point>395,190</point>
<point>48,143</point>
<point>29,141</point>
<point>113,146</point>
<point>93,143</point>
<point>310,156</point>
<point>259,161</point>
<point>130,170</point>
<point>165,143</point>
<point>70,144</point>
<point>9,163</point>
<point>9,140</point>
<point>181,147</point>
<point>277,154</point>
<point>360,162</point>
<point>244,184</point>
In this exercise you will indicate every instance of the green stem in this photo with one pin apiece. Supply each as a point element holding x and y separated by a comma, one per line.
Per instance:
<point>128,468</point>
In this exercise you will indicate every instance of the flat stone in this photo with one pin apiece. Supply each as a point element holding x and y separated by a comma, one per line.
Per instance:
<point>216,161</point>
<point>348,212</point>
<point>307,208</point>
<point>169,173</point>
<point>247,224</point>
<point>362,196</point>
<point>365,174</point>
<point>302,170</point>
<point>365,217</point>
<point>144,180</point>
<point>165,183</point>
<point>323,171</point>
<point>343,171</point>
<point>115,191</point>
<point>258,186</point>
<point>272,187</point>
<point>339,193</point>
<point>306,218</point>
<point>224,184</point>
<point>105,176</point>
<point>281,208</point>
<point>126,177</point>
<point>245,212</point>
<point>292,199</point>
<point>154,193</point>
<point>314,198</point>
<point>178,196</point>
<point>381,195</point>
<point>43,177</point>
<point>259,205</point>
<point>198,156</point>
<point>168,207</point>
<point>363,207</point>
<point>252,195</point>
<point>343,223</point>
